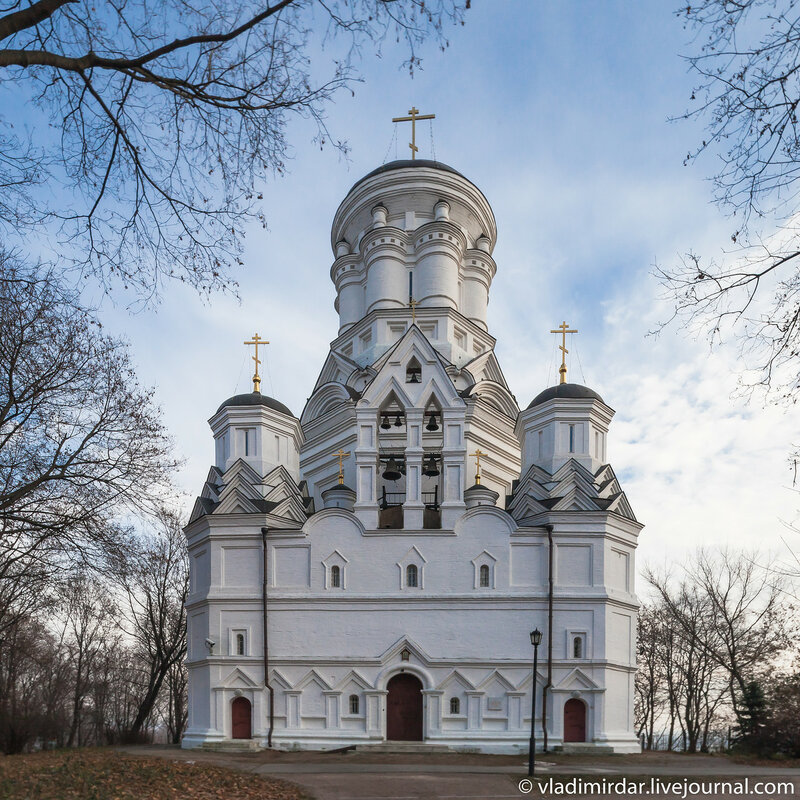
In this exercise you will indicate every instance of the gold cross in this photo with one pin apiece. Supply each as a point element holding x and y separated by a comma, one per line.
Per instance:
<point>257,340</point>
<point>477,456</point>
<point>341,455</point>
<point>563,329</point>
<point>414,116</point>
<point>412,303</point>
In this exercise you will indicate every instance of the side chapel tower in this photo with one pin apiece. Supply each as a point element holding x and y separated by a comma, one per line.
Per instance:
<point>402,580</point>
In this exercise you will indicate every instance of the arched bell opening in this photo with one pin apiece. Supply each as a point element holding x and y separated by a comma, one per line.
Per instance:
<point>432,464</point>
<point>413,371</point>
<point>391,462</point>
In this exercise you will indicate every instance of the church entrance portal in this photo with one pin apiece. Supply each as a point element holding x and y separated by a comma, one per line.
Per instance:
<point>574,721</point>
<point>241,719</point>
<point>404,709</point>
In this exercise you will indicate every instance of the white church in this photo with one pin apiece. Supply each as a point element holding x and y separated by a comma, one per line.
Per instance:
<point>372,570</point>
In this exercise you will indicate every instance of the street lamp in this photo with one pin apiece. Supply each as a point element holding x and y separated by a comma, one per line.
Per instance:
<point>536,640</point>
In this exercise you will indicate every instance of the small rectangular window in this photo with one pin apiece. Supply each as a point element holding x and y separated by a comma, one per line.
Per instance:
<point>572,438</point>
<point>541,444</point>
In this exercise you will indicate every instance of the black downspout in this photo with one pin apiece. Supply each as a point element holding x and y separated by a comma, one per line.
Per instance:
<point>549,683</point>
<point>264,532</point>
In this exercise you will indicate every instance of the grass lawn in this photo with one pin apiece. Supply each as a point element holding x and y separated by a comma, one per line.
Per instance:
<point>99,774</point>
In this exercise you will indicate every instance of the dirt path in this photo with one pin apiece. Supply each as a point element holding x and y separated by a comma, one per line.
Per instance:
<point>453,776</point>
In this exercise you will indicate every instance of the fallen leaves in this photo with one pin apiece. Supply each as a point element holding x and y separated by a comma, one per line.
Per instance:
<point>98,774</point>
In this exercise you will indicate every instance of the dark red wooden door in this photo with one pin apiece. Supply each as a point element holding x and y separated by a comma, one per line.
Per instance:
<point>404,709</point>
<point>574,721</point>
<point>240,716</point>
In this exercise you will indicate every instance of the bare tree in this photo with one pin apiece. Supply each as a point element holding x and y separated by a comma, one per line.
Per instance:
<point>729,613</point>
<point>170,114</point>
<point>176,702</point>
<point>747,59</point>
<point>34,686</point>
<point>154,576</point>
<point>648,684</point>
<point>80,440</point>
<point>88,612</point>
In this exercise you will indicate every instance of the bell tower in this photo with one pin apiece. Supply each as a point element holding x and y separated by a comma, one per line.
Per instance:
<point>413,361</point>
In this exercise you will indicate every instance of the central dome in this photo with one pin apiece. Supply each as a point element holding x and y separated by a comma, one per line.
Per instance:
<point>405,164</point>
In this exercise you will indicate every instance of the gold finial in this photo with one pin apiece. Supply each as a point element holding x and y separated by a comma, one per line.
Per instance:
<point>563,329</point>
<point>412,304</point>
<point>477,455</point>
<point>414,115</point>
<point>341,456</point>
<point>257,340</point>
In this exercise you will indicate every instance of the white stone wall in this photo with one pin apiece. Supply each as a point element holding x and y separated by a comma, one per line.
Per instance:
<point>464,641</point>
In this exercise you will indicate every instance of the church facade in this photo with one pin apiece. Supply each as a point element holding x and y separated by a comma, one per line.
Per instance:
<point>372,570</point>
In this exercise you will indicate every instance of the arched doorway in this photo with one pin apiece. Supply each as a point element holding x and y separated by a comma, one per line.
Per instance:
<point>404,708</point>
<point>574,721</point>
<point>241,719</point>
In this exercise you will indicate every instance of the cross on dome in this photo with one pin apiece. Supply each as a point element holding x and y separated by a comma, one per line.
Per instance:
<point>414,115</point>
<point>477,455</point>
<point>341,455</point>
<point>256,340</point>
<point>563,329</point>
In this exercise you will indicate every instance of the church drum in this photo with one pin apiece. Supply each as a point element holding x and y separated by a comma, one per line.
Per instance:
<point>574,721</point>
<point>240,719</point>
<point>404,709</point>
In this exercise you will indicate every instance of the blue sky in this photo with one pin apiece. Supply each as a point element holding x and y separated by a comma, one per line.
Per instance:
<point>558,111</point>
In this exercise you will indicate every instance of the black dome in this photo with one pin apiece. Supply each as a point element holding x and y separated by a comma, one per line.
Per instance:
<point>573,391</point>
<point>404,164</point>
<point>255,399</point>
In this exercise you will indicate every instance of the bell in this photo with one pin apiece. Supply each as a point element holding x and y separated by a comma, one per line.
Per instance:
<point>392,472</point>
<point>432,424</point>
<point>385,424</point>
<point>398,423</point>
<point>414,378</point>
<point>430,469</point>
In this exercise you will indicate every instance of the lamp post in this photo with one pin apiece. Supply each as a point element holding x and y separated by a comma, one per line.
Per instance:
<point>536,640</point>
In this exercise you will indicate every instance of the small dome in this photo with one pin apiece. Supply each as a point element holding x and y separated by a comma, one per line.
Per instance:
<point>569,391</point>
<point>255,399</point>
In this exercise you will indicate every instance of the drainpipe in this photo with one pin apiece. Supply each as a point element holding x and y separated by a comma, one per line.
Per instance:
<point>549,684</point>
<point>264,532</point>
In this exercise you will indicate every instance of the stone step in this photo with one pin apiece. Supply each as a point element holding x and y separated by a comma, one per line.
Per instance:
<point>233,746</point>
<point>584,748</point>
<point>402,747</point>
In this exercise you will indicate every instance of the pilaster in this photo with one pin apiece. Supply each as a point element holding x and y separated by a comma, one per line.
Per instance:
<point>413,507</point>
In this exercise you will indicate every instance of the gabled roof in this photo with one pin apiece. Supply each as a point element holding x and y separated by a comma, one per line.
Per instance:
<point>414,344</point>
<point>486,367</point>
<point>572,488</point>
<point>240,490</point>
